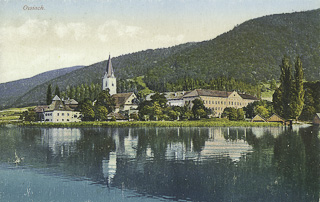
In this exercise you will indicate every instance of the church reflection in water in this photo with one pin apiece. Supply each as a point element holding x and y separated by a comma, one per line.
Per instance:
<point>196,163</point>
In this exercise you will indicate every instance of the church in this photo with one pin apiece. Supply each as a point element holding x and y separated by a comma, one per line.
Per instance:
<point>124,101</point>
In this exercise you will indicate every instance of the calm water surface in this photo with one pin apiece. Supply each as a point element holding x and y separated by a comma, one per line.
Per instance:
<point>159,164</point>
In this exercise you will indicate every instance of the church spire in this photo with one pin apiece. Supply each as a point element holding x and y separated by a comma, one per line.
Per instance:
<point>109,69</point>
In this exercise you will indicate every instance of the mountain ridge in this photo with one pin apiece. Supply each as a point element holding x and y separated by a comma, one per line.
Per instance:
<point>251,52</point>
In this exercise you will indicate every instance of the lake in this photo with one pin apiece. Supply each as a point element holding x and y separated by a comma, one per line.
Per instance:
<point>159,164</point>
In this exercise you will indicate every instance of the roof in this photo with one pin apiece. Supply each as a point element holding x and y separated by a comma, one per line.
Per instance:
<point>258,118</point>
<point>216,93</point>
<point>58,105</point>
<point>275,118</point>
<point>206,92</point>
<point>170,95</point>
<point>118,116</point>
<point>56,98</point>
<point>109,69</point>
<point>42,108</point>
<point>318,115</point>
<point>248,97</point>
<point>71,102</point>
<point>121,98</point>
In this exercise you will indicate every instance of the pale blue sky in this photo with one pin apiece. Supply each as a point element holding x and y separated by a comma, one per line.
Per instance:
<point>70,32</point>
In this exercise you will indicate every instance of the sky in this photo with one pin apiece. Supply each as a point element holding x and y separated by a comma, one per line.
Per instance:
<point>65,33</point>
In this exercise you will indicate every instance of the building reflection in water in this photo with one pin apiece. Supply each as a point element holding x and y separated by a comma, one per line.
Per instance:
<point>185,161</point>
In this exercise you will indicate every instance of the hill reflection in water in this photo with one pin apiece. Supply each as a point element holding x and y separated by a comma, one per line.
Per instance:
<point>199,164</point>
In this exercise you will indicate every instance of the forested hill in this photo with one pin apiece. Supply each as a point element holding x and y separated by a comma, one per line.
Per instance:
<point>250,52</point>
<point>10,91</point>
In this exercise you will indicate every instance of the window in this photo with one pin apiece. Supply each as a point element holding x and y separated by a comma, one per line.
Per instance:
<point>67,119</point>
<point>57,114</point>
<point>62,119</point>
<point>62,114</point>
<point>231,103</point>
<point>57,119</point>
<point>68,114</point>
<point>216,102</point>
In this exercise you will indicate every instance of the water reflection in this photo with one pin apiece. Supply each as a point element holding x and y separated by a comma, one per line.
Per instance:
<point>200,164</point>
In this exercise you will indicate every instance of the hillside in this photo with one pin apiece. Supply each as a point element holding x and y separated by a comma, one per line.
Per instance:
<point>251,52</point>
<point>11,91</point>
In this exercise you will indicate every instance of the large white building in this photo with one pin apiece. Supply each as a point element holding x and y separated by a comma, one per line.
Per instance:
<point>58,111</point>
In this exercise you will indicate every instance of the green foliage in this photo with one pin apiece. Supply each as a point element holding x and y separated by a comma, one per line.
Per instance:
<point>198,109</point>
<point>263,108</point>
<point>233,114</point>
<point>298,91</point>
<point>311,100</point>
<point>273,84</point>
<point>86,109</point>
<point>49,94</point>
<point>105,99</point>
<point>29,115</point>
<point>289,97</point>
<point>57,91</point>
<point>100,112</point>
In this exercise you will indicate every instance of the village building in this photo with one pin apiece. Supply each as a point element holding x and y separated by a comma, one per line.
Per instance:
<point>125,102</point>
<point>219,100</point>
<point>316,119</point>
<point>173,98</point>
<point>258,118</point>
<point>58,111</point>
<point>72,103</point>
<point>277,119</point>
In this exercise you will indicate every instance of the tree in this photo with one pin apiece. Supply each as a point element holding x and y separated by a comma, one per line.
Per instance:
<point>198,109</point>
<point>105,99</point>
<point>277,101</point>
<point>86,110</point>
<point>298,91</point>
<point>230,113</point>
<point>286,87</point>
<point>101,113</point>
<point>262,111</point>
<point>57,91</point>
<point>29,115</point>
<point>49,94</point>
<point>240,114</point>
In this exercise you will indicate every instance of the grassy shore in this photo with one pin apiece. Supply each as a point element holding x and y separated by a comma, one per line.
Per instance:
<point>199,123</point>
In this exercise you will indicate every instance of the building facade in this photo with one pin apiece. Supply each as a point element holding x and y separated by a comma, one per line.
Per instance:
<point>218,100</point>
<point>58,112</point>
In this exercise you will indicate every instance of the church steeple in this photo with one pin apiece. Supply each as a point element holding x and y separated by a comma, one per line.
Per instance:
<point>109,70</point>
<point>109,80</point>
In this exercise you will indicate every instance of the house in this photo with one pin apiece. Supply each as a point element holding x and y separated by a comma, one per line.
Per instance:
<point>276,118</point>
<point>116,116</point>
<point>58,111</point>
<point>72,103</point>
<point>173,98</point>
<point>258,118</point>
<point>123,101</point>
<point>219,100</point>
<point>316,119</point>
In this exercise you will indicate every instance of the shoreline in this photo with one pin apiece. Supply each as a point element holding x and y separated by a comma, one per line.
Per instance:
<point>197,123</point>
